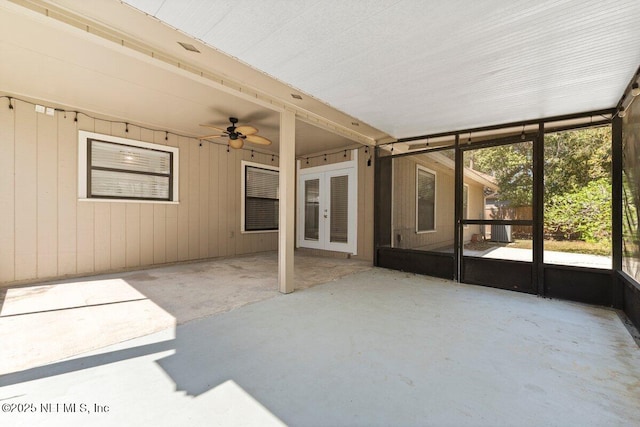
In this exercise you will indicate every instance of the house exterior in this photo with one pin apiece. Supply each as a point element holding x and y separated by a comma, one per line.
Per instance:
<point>439,235</point>
<point>130,81</point>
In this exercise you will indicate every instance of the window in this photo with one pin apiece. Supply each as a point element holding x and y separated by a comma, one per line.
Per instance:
<point>115,168</point>
<point>425,200</point>
<point>260,197</point>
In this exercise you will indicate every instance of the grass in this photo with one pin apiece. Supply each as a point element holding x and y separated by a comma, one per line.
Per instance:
<point>573,246</point>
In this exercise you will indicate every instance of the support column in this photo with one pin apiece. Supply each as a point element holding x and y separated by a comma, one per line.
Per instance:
<point>287,203</point>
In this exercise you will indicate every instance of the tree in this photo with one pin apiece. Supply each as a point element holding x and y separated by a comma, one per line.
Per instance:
<point>573,159</point>
<point>511,166</point>
<point>577,181</point>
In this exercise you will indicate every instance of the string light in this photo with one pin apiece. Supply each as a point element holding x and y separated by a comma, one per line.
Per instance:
<point>345,154</point>
<point>166,133</point>
<point>272,158</point>
<point>522,136</point>
<point>252,154</point>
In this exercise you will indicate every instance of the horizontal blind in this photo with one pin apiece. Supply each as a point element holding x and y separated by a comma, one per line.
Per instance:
<point>262,183</point>
<point>118,156</point>
<point>128,172</point>
<point>261,199</point>
<point>129,185</point>
<point>312,209</point>
<point>339,209</point>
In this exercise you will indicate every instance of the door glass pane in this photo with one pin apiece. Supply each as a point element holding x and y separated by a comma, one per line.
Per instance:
<point>509,242</point>
<point>339,209</point>
<point>498,183</point>
<point>504,176</point>
<point>311,209</point>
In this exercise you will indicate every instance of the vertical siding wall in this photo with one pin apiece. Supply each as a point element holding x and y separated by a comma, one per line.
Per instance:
<point>365,196</point>
<point>404,206</point>
<point>45,232</point>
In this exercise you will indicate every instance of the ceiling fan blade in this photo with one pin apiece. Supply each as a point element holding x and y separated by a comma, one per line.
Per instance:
<point>257,139</point>
<point>246,130</point>
<point>213,127</point>
<point>211,136</point>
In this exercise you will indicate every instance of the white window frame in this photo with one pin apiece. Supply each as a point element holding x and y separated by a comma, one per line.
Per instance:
<point>435,197</point>
<point>243,175</point>
<point>83,166</point>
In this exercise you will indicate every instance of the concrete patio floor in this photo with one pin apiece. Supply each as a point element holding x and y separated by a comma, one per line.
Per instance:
<point>63,318</point>
<point>377,347</point>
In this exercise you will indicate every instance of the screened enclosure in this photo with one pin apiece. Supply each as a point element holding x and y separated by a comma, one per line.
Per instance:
<point>527,209</point>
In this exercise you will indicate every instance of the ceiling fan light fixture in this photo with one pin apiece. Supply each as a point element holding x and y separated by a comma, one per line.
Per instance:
<point>237,134</point>
<point>236,143</point>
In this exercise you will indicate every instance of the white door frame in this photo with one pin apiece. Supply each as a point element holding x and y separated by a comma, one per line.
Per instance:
<point>324,174</point>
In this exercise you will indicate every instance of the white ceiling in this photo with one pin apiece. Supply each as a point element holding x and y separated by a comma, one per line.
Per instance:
<point>47,61</point>
<point>414,67</point>
<point>406,68</point>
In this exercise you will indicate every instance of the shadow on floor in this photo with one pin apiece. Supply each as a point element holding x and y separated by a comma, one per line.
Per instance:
<point>389,348</point>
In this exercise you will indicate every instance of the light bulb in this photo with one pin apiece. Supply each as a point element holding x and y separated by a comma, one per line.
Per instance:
<point>622,112</point>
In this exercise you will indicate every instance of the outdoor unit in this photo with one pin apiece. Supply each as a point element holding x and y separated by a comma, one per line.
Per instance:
<point>501,233</point>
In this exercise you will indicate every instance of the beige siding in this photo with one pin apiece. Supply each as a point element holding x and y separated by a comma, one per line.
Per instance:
<point>26,191</point>
<point>67,195</point>
<point>7,195</point>
<point>171,224</point>
<point>404,205</point>
<point>47,199</point>
<point>46,232</point>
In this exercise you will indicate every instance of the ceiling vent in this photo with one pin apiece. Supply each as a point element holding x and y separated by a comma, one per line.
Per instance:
<point>189,47</point>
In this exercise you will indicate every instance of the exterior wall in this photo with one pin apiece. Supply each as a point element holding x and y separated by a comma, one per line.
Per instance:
<point>45,232</point>
<point>475,209</point>
<point>365,198</point>
<point>404,206</point>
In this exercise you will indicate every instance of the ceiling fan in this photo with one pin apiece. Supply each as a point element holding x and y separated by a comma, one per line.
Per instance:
<point>237,134</point>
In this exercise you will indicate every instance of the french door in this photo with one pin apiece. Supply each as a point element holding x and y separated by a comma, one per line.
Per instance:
<point>327,208</point>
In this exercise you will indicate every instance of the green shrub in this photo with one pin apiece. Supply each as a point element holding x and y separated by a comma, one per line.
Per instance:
<point>582,214</point>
